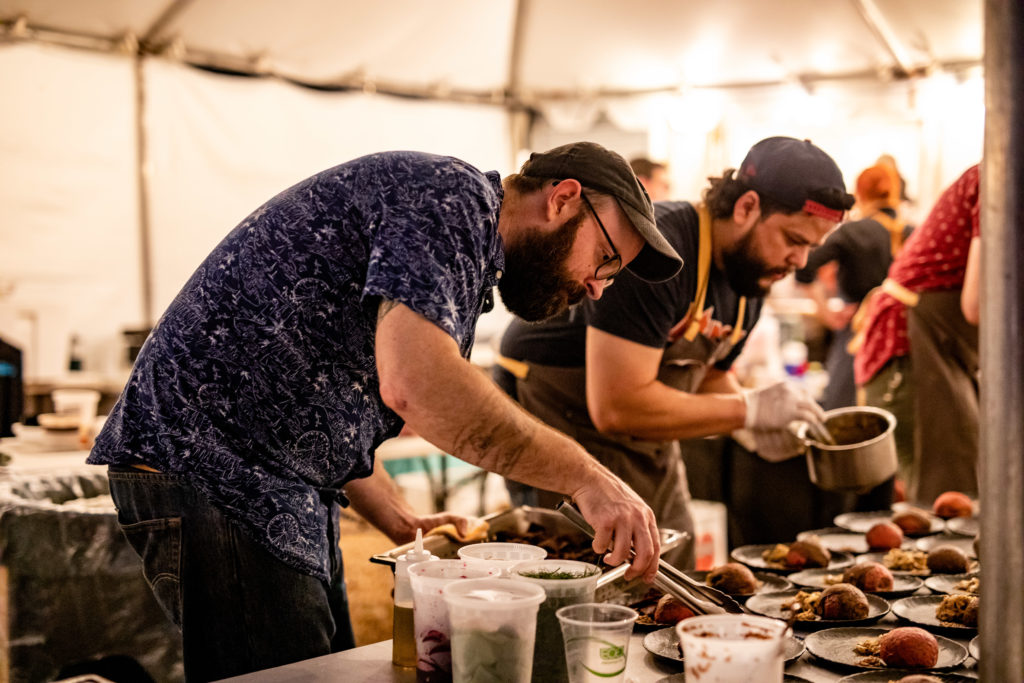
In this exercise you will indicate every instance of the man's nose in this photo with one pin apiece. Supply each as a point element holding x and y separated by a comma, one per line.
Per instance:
<point>798,257</point>
<point>595,287</point>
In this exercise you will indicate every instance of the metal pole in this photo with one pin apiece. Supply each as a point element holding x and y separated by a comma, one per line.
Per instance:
<point>142,179</point>
<point>1001,348</point>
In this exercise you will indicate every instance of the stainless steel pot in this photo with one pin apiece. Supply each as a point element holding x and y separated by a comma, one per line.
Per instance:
<point>863,456</point>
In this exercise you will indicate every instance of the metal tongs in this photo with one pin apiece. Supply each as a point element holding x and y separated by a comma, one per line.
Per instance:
<point>695,595</point>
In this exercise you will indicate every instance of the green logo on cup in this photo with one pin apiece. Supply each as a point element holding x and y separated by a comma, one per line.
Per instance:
<point>612,652</point>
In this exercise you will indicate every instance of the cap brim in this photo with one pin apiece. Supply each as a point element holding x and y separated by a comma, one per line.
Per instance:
<point>657,261</point>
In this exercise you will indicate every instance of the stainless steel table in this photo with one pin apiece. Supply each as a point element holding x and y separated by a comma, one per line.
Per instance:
<point>372,663</point>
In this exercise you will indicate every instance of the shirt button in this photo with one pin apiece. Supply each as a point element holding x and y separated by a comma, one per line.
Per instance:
<point>498,274</point>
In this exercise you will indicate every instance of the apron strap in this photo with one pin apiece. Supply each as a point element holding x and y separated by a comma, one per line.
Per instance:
<point>518,368</point>
<point>696,309</point>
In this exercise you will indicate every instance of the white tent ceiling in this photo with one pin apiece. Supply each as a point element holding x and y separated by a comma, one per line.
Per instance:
<point>123,165</point>
<point>525,49</point>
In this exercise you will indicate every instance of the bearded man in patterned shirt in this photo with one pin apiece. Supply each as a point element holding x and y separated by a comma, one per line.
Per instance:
<point>338,311</point>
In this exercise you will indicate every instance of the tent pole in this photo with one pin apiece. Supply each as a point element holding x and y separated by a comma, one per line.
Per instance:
<point>1002,354</point>
<point>142,183</point>
<point>519,128</point>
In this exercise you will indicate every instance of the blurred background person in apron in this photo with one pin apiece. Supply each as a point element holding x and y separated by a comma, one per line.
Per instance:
<point>861,252</point>
<point>919,358</point>
<point>631,374</point>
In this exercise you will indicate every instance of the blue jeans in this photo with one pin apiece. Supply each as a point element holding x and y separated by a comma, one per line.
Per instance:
<point>239,608</point>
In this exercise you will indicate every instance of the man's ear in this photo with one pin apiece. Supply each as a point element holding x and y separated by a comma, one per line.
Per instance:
<point>747,208</point>
<point>562,199</point>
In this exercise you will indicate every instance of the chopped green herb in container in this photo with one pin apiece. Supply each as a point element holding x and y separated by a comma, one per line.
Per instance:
<point>565,582</point>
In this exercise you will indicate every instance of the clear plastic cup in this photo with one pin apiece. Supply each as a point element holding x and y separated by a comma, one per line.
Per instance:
<point>565,582</point>
<point>430,612</point>
<point>501,555</point>
<point>493,624</point>
<point>596,637</point>
<point>733,648</point>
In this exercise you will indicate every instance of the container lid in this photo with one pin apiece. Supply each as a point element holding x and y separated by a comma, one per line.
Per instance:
<point>493,594</point>
<point>502,552</point>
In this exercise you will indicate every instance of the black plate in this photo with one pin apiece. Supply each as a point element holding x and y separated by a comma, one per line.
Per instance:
<point>964,526</point>
<point>920,611</point>
<point>902,584</point>
<point>770,583</point>
<point>860,522</point>
<point>837,539</point>
<point>965,543</point>
<point>946,583</point>
<point>886,675</point>
<point>664,644</point>
<point>836,645</point>
<point>974,648</point>
<point>770,605</point>
<point>750,555</point>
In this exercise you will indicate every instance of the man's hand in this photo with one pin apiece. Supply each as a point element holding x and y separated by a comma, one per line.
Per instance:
<point>622,522</point>
<point>775,406</point>
<point>462,525</point>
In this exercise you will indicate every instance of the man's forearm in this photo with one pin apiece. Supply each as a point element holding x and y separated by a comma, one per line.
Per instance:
<point>454,406</point>
<point>378,500</point>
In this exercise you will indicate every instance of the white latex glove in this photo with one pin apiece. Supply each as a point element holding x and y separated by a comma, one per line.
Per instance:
<point>776,445</point>
<point>775,406</point>
<point>773,445</point>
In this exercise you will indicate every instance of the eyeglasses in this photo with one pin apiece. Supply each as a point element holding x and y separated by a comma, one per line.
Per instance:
<point>612,265</point>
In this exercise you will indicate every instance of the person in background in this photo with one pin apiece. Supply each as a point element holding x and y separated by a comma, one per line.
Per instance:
<point>861,251</point>
<point>649,364</point>
<point>339,310</point>
<point>653,176</point>
<point>919,359</point>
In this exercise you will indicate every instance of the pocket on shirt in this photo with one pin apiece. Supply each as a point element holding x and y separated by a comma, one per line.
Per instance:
<point>158,543</point>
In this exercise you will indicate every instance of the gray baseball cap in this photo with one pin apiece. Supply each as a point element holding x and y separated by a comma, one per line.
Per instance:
<point>605,171</point>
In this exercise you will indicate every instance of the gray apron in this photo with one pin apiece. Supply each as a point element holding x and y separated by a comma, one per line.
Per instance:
<point>654,469</point>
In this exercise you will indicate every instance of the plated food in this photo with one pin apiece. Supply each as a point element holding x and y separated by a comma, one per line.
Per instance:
<point>954,583</point>
<point>950,504</point>
<point>664,645</point>
<point>884,536</point>
<point>963,543</point>
<point>782,558</point>
<point>869,576</point>
<point>952,614</point>
<point>837,539</point>
<point>814,609</point>
<point>723,579</point>
<point>860,522</point>
<point>839,646</point>
<point>658,610</point>
<point>905,676</point>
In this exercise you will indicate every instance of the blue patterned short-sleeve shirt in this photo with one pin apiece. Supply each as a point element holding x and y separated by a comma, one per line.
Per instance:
<point>260,380</point>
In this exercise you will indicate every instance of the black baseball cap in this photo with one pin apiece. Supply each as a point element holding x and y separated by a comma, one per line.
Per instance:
<point>790,171</point>
<point>607,172</point>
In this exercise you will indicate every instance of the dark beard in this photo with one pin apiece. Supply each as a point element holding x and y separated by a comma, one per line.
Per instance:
<point>536,284</point>
<point>744,270</point>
